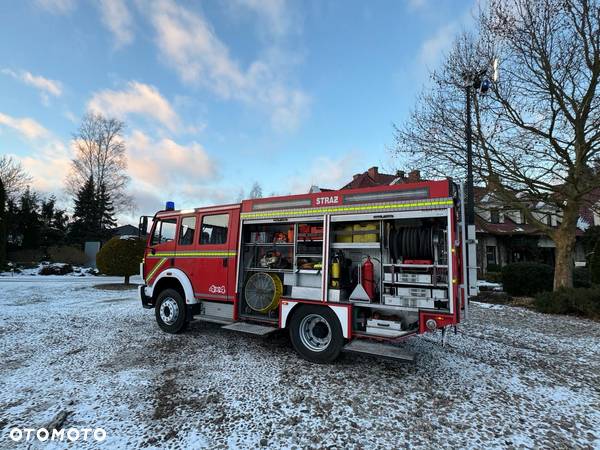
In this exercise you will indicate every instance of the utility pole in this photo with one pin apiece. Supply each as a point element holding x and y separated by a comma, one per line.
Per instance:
<point>470,206</point>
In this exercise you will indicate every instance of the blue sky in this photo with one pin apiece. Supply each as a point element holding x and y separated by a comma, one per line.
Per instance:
<point>218,94</point>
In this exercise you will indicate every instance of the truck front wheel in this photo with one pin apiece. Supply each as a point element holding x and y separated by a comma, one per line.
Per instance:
<point>170,311</point>
<point>316,333</point>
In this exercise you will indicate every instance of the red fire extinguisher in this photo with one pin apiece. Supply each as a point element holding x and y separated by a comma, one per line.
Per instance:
<point>368,278</point>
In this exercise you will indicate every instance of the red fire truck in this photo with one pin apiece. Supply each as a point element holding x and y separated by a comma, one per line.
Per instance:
<point>349,270</point>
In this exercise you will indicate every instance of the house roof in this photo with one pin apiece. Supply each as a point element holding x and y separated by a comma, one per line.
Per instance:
<point>585,220</point>
<point>372,177</point>
<point>125,230</point>
<point>509,227</point>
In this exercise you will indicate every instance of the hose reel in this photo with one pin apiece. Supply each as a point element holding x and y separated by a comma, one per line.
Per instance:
<point>263,291</point>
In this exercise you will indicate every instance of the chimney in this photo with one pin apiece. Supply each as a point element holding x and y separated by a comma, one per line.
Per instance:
<point>373,171</point>
<point>414,175</point>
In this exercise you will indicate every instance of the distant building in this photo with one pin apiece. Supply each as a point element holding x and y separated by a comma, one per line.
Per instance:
<point>125,230</point>
<point>504,236</point>
<point>373,177</point>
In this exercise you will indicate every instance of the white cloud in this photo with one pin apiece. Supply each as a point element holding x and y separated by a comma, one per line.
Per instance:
<point>326,172</point>
<point>162,169</point>
<point>57,6</point>
<point>189,44</point>
<point>48,166</point>
<point>440,41</point>
<point>434,47</point>
<point>164,162</point>
<point>139,98</point>
<point>117,18</point>
<point>46,86</point>
<point>25,126</point>
<point>165,159</point>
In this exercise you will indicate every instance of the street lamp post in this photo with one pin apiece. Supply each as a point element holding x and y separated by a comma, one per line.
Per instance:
<point>470,206</point>
<point>475,81</point>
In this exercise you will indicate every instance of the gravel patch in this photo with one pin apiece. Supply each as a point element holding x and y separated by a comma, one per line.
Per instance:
<point>511,378</point>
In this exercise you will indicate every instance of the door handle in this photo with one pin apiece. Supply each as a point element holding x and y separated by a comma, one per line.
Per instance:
<point>225,262</point>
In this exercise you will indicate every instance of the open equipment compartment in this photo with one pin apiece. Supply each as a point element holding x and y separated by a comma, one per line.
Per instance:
<point>406,266</point>
<point>279,260</point>
<point>267,253</point>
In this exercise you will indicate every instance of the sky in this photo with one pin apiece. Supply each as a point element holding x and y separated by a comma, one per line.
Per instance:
<point>218,94</point>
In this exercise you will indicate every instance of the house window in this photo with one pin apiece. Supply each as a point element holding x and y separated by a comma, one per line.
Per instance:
<point>490,254</point>
<point>494,216</point>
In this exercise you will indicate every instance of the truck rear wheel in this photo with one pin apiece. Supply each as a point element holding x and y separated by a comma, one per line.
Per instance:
<point>316,333</point>
<point>170,311</point>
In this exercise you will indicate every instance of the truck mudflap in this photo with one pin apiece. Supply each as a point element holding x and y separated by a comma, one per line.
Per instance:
<point>147,301</point>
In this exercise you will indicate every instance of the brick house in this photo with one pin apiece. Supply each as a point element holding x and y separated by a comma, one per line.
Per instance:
<point>503,236</point>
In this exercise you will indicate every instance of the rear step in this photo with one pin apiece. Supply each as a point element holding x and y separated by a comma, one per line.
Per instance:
<point>250,328</point>
<point>379,350</point>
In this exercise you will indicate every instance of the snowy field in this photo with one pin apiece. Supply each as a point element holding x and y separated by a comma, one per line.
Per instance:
<point>511,379</point>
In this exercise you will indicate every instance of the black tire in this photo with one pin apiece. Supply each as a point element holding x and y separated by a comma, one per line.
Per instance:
<point>170,311</point>
<point>326,328</point>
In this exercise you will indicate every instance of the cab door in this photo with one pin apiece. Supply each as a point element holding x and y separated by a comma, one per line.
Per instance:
<point>187,247</point>
<point>215,259</point>
<point>161,248</point>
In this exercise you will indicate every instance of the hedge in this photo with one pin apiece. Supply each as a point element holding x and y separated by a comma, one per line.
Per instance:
<point>576,301</point>
<point>121,257</point>
<point>527,279</point>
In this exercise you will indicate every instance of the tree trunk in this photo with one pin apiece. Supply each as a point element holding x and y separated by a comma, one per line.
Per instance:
<point>126,280</point>
<point>564,238</point>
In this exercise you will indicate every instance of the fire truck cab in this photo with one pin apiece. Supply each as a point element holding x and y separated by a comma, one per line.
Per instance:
<point>341,270</point>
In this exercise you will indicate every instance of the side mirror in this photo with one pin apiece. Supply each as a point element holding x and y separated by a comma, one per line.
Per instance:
<point>143,226</point>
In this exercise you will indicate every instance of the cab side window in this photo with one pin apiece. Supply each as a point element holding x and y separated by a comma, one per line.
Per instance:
<point>164,231</point>
<point>187,229</point>
<point>214,229</point>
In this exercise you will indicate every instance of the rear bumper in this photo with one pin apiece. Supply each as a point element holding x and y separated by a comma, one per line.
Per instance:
<point>147,301</point>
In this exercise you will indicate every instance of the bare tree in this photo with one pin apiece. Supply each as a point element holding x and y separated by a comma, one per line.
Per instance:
<point>256,191</point>
<point>13,176</point>
<point>536,138</point>
<point>101,155</point>
<point>240,196</point>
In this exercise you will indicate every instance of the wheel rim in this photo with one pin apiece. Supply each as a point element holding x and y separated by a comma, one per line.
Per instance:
<point>169,311</point>
<point>315,332</point>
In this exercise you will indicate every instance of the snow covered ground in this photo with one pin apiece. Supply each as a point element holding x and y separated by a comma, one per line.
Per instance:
<point>512,378</point>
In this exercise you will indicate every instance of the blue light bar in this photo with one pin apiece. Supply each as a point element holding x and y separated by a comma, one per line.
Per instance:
<point>170,206</point>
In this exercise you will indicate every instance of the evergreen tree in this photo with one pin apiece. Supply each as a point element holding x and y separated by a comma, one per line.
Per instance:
<point>47,210</point>
<point>106,211</point>
<point>53,223</point>
<point>29,219</point>
<point>86,225</point>
<point>2,225</point>
<point>13,237</point>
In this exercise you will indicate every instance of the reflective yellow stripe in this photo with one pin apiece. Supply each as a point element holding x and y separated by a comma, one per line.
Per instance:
<point>191,254</point>
<point>334,209</point>
<point>156,267</point>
